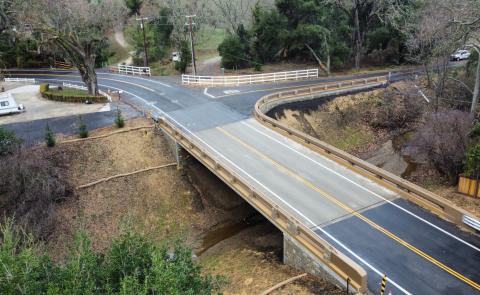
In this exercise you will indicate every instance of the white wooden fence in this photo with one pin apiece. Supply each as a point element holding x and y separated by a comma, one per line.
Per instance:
<point>130,70</point>
<point>23,80</point>
<point>73,86</point>
<point>249,79</point>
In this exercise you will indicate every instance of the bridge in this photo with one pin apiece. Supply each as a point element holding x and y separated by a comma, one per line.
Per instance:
<point>340,217</point>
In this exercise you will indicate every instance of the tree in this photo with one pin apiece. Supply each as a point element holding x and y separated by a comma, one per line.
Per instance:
<point>77,28</point>
<point>133,6</point>
<point>185,57</point>
<point>435,29</point>
<point>268,31</point>
<point>234,13</point>
<point>443,140</point>
<point>361,13</point>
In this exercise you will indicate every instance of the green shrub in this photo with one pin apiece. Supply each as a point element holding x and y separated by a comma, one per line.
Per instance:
<point>82,128</point>
<point>119,121</point>
<point>8,142</point>
<point>232,51</point>
<point>133,264</point>
<point>50,140</point>
<point>473,162</point>
<point>71,96</point>
<point>44,87</point>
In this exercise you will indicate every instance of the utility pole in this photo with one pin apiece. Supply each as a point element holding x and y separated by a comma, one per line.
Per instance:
<point>190,26</point>
<point>145,50</point>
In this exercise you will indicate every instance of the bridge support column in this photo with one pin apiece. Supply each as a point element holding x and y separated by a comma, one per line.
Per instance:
<point>178,152</point>
<point>297,256</point>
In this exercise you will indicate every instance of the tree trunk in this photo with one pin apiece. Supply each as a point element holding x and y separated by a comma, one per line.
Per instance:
<point>476,91</point>
<point>323,67</point>
<point>89,76</point>
<point>357,48</point>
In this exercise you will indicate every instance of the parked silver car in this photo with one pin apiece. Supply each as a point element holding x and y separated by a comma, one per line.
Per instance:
<point>460,55</point>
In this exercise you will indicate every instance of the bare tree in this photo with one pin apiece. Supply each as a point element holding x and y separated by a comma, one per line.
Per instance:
<point>75,27</point>
<point>234,13</point>
<point>434,31</point>
<point>180,9</point>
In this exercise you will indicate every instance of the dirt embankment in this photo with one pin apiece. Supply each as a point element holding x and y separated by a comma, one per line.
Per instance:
<point>375,126</point>
<point>229,236</point>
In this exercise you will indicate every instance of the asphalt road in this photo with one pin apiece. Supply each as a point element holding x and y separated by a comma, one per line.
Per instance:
<point>420,253</point>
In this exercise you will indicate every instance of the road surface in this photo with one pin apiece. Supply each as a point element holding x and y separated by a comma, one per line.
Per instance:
<point>420,253</point>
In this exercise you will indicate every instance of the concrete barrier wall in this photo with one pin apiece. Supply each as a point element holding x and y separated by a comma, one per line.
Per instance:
<point>412,192</point>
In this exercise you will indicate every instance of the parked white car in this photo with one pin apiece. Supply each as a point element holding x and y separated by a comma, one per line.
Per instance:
<point>8,105</point>
<point>460,55</point>
<point>176,57</point>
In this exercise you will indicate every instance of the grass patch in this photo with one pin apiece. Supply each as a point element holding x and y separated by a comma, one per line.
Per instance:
<point>210,38</point>
<point>68,92</point>
<point>157,69</point>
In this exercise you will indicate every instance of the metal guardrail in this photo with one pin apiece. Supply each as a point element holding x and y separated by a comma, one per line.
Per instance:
<point>130,70</point>
<point>24,80</point>
<point>73,86</point>
<point>340,264</point>
<point>406,189</point>
<point>248,79</point>
<point>472,222</point>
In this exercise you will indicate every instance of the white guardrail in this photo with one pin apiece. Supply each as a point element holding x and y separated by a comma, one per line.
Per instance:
<point>24,80</point>
<point>249,79</point>
<point>73,86</point>
<point>130,70</point>
<point>472,222</point>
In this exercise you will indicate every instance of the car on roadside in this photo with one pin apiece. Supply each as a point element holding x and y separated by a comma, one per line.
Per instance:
<point>176,56</point>
<point>8,105</point>
<point>460,55</point>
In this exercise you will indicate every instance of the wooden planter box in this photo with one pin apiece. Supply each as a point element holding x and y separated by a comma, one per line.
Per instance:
<point>469,186</point>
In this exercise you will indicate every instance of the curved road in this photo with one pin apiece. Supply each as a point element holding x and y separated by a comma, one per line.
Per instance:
<point>420,253</point>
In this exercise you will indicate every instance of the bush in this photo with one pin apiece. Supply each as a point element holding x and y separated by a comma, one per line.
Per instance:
<point>442,141</point>
<point>133,264</point>
<point>473,162</point>
<point>119,121</point>
<point>44,87</point>
<point>67,96</point>
<point>398,109</point>
<point>82,128</point>
<point>50,140</point>
<point>31,183</point>
<point>9,143</point>
<point>232,52</point>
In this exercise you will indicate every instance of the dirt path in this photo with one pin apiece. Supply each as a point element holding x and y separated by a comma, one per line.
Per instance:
<point>210,66</point>
<point>120,39</point>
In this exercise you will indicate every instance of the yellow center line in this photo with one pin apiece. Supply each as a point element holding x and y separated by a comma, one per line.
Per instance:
<point>352,211</point>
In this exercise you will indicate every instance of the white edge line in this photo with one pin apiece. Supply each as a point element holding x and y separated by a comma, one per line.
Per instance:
<point>366,189</point>
<point>363,261</point>
<point>286,203</point>
<point>208,94</point>
<point>136,77</point>
<point>267,189</point>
